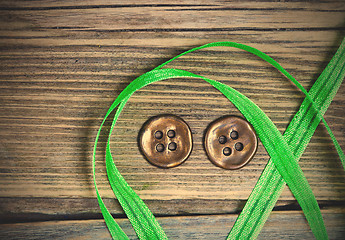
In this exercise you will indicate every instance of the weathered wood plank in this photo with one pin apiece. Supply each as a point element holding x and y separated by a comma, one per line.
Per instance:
<point>63,63</point>
<point>280,225</point>
<point>30,209</point>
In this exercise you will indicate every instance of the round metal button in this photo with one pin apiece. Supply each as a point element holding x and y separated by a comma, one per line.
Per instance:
<point>230,142</point>
<point>165,141</point>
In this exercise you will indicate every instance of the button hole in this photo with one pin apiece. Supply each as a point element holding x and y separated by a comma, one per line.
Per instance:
<point>158,134</point>
<point>239,146</point>
<point>227,151</point>
<point>172,146</point>
<point>222,139</point>
<point>234,134</point>
<point>171,134</point>
<point>160,147</point>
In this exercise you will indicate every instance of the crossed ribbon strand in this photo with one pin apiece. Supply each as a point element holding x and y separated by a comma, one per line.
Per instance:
<point>284,150</point>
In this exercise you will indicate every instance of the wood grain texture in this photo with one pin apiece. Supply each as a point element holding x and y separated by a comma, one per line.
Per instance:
<point>62,63</point>
<point>281,225</point>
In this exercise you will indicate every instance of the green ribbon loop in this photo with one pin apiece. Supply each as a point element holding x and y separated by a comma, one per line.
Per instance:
<point>283,164</point>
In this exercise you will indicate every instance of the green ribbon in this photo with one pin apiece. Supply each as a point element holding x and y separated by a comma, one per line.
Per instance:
<point>284,151</point>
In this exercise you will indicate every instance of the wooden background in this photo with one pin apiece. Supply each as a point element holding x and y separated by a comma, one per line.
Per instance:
<point>62,63</point>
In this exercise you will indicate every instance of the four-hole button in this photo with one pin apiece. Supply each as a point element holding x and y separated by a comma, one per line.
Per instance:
<point>165,141</point>
<point>230,142</point>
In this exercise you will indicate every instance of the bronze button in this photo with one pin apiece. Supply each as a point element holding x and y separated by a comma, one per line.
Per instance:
<point>230,142</point>
<point>165,141</point>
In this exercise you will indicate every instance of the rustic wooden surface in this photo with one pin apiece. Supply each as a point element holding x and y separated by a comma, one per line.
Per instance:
<point>62,63</point>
